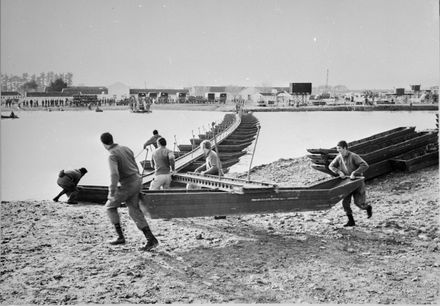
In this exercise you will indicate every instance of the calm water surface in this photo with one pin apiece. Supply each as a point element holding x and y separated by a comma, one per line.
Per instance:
<point>39,144</point>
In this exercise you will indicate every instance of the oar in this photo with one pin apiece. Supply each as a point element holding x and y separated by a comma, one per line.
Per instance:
<point>253,153</point>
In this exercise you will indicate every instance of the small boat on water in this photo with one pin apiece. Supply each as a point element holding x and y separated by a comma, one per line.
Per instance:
<point>11,116</point>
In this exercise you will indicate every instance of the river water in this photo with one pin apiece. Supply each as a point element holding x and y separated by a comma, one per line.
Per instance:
<point>39,144</point>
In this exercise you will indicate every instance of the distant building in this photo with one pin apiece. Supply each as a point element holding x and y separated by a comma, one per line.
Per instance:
<point>216,94</point>
<point>284,98</point>
<point>86,90</point>
<point>162,95</point>
<point>265,98</point>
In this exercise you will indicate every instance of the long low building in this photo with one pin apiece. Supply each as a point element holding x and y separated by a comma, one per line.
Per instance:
<point>162,95</point>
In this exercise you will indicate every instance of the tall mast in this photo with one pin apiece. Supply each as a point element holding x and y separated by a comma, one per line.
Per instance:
<point>326,82</point>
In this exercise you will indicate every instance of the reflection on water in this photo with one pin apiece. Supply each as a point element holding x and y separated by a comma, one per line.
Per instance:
<point>35,147</point>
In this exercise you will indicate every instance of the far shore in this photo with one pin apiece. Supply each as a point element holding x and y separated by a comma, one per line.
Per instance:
<point>230,107</point>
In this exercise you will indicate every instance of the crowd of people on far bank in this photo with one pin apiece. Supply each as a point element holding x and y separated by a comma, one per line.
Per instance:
<point>126,181</point>
<point>47,103</point>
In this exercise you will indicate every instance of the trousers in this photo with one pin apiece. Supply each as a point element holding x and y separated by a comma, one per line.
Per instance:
<point>128,193</point>
<point>161,180</point>
<point>359,199</point>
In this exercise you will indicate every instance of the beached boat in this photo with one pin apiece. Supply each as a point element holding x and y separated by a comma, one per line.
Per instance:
<point>367,141</point>
<point>387,155</point>
<point>201,203</point>
<point>416,159</point>
<point>384,150</point>
<point>374,170</point>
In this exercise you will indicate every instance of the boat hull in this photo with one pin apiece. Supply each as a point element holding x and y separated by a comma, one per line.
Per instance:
<point>416,159</point>
<point>374,170</point>
<point>202,203</point>
<point>366,142</point>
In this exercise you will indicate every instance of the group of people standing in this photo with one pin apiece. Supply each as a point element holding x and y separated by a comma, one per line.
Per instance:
<point>125,172</point>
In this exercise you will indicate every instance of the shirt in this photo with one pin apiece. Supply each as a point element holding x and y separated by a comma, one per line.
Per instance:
<point>163,160</point>
<point>349,164</point>
<point>123,167</point>
<point>212,163</point>
<point>152,141</point>
<point>69,178</point>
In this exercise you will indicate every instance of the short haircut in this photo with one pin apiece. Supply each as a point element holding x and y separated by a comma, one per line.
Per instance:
<point>155,132</point>
<point>343,144</point>
<point>205,144</point>
<point>162,141</point>
<point>107,138</point>
<point>83,170</point>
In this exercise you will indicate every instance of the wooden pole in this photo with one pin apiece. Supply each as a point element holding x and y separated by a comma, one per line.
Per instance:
<point>253,153</point>
<point>219,164</point>
<point>145,161</point>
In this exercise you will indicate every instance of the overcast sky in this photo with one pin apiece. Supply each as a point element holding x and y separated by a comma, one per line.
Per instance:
<point>177,43</point>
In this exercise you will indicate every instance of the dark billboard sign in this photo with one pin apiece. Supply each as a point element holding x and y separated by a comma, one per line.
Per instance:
<point>301,88</point>
<point>400,91</point>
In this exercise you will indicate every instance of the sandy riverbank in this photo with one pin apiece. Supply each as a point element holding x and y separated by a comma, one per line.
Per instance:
<point>55,253</point>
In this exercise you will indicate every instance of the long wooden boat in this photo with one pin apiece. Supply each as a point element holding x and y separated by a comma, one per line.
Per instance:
<point>233,137</point>
<point>227,141</point>
<point>201,203</point>
<point>384,151</point>
<point>416,159</point>
<point>367,141</point>
<point>370,146</point>
<point>238,135</point>
<point>373,171</point>
<point>234,141</point>
<point>221,147</point>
